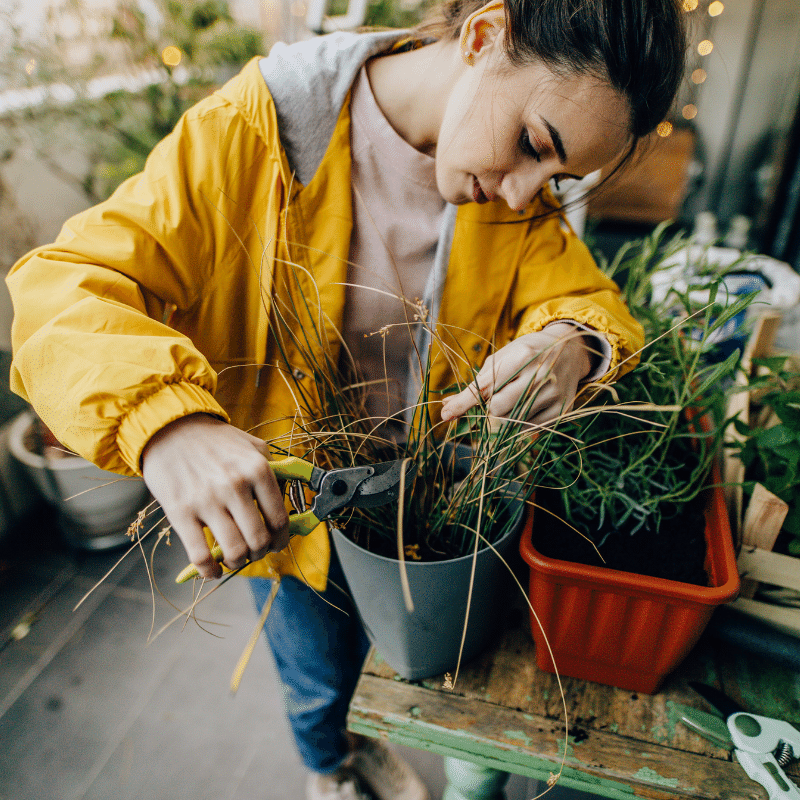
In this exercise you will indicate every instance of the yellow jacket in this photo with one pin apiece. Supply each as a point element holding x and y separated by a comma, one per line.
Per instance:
<point>156,303</point>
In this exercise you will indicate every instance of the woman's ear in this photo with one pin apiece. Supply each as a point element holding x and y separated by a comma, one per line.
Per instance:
<point>481,30</point>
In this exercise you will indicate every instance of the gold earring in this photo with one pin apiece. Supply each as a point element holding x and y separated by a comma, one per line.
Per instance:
<point>469,57</point>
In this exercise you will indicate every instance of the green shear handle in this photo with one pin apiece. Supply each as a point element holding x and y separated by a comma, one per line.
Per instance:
<point>291,468</point>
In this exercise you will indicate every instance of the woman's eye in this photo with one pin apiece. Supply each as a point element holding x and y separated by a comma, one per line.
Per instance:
<point>527,147</point>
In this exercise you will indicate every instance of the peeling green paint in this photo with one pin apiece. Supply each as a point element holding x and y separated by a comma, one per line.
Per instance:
<point>414,711</point>
<point>570,754</point>
<point>379,659</point>
<point>528,717</point>
<point>657,732</point>
<point>520,735</point>
<point>651,776</point>
<point>673,718</point>
<point>614,727</point>
<point>546,694</point>
<point>396,678</point>
<point>529,698</point>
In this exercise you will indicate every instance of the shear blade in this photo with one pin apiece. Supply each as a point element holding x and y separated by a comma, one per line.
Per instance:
<point>384,485</point>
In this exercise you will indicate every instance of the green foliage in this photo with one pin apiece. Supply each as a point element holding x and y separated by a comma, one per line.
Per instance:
<point>771,454</point>
<point>639,457</point>
<point>392,14</point>
<point>113,135</point>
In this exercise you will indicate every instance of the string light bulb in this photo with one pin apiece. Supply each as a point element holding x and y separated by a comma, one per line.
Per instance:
<point>705,47</point>
<point>171,56</point>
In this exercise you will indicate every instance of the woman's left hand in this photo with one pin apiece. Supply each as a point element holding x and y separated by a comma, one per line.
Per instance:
<point>548,364</point>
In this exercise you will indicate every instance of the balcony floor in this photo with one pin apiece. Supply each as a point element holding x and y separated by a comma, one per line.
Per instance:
<point>89,709</point>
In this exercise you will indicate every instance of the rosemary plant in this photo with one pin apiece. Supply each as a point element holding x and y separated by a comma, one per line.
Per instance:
<point>644,452</point>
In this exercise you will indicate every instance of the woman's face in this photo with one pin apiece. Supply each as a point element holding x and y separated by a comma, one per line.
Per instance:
<point>506,131</point>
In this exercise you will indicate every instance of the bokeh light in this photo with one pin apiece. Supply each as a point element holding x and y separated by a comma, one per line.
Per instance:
<point>30,66</point>
<point>664,129</point>
<point>716,8</point>
<point>705,47</point>
<point>699,75</point>
<point>689,5</point>
<point>171,56</point>
<point>689,111</point>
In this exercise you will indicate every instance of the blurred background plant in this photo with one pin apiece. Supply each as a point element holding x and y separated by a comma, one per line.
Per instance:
<point>770,443</point>
<point>107,82</point>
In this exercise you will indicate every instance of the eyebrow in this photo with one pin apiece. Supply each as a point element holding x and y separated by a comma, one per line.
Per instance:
<point>558,143</point>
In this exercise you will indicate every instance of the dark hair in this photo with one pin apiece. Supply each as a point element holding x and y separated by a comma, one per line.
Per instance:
<point>638,46</point>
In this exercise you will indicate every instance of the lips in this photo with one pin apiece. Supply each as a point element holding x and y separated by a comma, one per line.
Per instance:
<point>477,192</point>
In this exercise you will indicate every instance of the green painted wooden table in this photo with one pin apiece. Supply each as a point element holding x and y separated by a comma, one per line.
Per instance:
<point>506,716</point>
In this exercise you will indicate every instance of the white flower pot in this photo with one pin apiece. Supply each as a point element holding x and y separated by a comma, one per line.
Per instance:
<point>97,519</point>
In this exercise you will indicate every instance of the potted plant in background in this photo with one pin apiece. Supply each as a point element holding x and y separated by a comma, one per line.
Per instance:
<point>95,507</point>
<point>636,552</point>
<point>764,464</point>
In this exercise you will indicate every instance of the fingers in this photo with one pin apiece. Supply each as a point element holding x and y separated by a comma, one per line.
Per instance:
<point>191,534</point>
<point>204,472</point>
<point>458,404</point>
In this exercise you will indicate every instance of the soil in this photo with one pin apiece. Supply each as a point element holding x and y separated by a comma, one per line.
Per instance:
<point>676,552</point>
<point>417,548</point>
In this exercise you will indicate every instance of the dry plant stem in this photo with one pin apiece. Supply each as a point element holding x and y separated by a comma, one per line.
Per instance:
<point>324,599</point>
<point>478,538</point>
<point>571,527</point>
<point>250,647</point>
<point>133,547</point>
<point>222,581</point>
<point>99,485</point>
<point>400,551</point>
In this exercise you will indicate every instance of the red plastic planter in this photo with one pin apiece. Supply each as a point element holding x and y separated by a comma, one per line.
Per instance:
<point>623,629</point>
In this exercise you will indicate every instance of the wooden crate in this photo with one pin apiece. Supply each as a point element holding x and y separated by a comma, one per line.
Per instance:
<point>756,528</point>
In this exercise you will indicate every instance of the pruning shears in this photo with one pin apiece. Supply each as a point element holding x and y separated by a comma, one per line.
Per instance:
<point>358,487</point>
<point>762,745</point>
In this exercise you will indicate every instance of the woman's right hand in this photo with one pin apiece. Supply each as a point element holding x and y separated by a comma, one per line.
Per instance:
<point>204,471</point>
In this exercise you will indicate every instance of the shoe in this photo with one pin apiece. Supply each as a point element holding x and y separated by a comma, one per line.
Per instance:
<point>343,784</point>
<point>385,773</point>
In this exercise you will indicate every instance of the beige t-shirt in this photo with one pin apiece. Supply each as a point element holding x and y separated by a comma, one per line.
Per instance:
<point>397,215</point>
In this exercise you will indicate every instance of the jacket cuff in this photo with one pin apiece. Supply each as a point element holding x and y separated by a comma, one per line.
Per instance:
<point>601,352</point>
<point>171,402</point>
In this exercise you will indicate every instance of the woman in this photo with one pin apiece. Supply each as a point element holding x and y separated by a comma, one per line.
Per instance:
<point>145,335</point>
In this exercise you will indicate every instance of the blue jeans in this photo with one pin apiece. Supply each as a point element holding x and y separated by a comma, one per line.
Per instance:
<point>319,652</point>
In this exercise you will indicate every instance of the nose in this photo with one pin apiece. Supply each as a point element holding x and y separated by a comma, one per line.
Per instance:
<point>519,187</point>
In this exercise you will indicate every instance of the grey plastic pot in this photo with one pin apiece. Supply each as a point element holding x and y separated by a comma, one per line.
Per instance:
<point>426,642</point>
